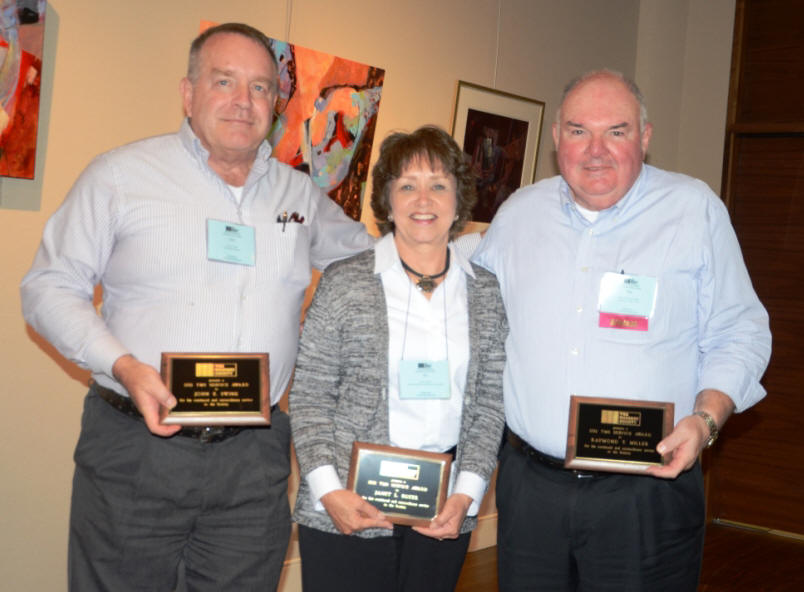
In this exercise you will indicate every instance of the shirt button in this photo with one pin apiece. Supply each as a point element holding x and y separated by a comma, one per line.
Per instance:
<point>584,269</point>
<point>574,351</point>
<point>579,309</point>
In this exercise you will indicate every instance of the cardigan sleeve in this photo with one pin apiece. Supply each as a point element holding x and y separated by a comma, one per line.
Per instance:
<point>485,421</point>
<point>313,396</point>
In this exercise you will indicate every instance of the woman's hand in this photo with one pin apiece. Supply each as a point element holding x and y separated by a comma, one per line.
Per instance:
<point>447,525</point>
<point>352,513</point>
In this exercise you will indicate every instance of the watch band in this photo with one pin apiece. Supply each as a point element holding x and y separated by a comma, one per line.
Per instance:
<point>711,424</point>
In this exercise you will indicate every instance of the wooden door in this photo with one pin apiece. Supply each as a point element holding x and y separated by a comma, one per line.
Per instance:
<point>756,471</point>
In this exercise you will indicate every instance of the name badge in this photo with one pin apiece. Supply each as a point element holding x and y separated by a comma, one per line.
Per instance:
<point>231,243</point>
<point>626,301</point>
<point>423,379</point>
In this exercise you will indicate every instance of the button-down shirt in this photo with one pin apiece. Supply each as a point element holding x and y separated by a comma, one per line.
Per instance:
<point>708,328</point>
<point>136,222</point>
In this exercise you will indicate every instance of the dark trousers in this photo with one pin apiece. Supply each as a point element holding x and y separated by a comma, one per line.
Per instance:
<point>404,562</point>
<point>557,531</point>
<point>142,503</point>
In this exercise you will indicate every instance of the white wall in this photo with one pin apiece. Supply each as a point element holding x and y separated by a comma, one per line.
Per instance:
<point>113,68</point>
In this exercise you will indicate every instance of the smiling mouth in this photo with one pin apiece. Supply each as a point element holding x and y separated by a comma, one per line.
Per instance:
<point>238,121</point>
<point>423,217</point>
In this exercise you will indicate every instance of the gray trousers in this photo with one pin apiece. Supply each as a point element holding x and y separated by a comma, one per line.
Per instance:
<point>142,504</point>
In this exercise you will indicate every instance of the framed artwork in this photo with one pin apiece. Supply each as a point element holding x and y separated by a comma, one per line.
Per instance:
<point>22,31</point>
<point>324,119</point>
<point>499,133</point>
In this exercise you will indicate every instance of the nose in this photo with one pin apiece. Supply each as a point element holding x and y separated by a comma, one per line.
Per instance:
<point>423,196</point>
<point>242,96</point>
<point>596,146</point>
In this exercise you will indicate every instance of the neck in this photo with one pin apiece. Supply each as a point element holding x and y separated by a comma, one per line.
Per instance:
<point>427,276</point>
<point>234,172</point>
<point>425,259</point>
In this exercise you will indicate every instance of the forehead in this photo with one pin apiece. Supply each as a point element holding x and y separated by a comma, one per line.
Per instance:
<point>234,51</point>
<point>603,100</point>
<point>423,163</point>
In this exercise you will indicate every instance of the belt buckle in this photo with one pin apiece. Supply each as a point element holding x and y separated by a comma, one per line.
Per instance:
<point>210,434</point>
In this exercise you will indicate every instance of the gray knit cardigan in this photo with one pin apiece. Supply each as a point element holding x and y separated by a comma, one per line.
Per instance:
<point>340,390</point>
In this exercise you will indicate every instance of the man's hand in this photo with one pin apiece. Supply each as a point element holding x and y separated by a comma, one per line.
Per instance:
<point>687,439</point>
<point>147,391</point>
<point>683,444</point>
<point>352,513</point>
<point>447,525</point>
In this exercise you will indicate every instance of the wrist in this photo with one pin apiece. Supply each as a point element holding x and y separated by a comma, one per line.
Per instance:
<point>711,427</point>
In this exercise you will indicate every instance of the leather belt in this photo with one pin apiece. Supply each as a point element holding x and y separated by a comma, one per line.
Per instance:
<point>545,459</point>
<point>206,434</point>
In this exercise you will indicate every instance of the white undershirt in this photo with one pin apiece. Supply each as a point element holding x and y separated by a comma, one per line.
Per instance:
<point>238,192</point>
<point>590,215</point>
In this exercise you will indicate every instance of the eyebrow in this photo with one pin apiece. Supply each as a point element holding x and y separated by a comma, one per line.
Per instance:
<point>621,125</point>
<point>231,73</point>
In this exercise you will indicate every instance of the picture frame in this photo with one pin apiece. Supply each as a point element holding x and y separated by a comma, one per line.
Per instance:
<point>499,132</point>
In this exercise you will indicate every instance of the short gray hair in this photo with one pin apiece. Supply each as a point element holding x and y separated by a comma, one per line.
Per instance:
<point>236,28</point>
<point>629,84</point>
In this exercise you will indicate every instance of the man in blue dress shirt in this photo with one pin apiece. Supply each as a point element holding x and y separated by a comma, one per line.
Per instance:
<point>142,221</point>
<point>568,252</point>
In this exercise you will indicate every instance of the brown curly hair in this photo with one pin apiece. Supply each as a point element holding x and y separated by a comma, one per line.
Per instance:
<point>399,149</point>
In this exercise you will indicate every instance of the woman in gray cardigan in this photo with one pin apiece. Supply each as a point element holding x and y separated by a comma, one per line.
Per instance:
<point>377,320</point>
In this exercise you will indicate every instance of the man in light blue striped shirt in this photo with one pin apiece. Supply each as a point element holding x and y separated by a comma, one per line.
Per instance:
<point>624,281</point>
<point>139,221</point>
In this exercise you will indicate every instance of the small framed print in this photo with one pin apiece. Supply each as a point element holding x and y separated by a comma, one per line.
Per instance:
<point>215,389</point>
<point>499,133</point>
<point>617,435</point>
<point>408,486</point>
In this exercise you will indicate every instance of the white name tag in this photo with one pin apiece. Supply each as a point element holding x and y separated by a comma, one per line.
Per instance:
<point>424,379</point>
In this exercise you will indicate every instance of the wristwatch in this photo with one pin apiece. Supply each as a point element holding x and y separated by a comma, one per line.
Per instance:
<point>711,424</point>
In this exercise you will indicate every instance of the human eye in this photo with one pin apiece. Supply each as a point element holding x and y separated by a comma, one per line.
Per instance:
<point>575,131</point>
<point>617,133</point>
<point>439,186</point>
<point>222,82</point>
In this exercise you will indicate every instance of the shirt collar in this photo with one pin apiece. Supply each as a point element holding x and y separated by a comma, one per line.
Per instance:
<point>620,207</point>
<point>193,145</point>
<point>387,257</point>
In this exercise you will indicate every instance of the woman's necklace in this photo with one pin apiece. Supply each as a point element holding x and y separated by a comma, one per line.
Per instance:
<point>426,283</point>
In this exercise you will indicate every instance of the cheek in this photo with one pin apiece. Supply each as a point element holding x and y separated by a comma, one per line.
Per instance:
<point>450,206</point>
<point>567,156</point>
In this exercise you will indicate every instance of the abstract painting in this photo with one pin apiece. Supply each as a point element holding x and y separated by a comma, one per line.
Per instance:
<point>21,38</point>
<point>325,118</point>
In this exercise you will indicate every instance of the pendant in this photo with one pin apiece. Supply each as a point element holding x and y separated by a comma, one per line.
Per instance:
<point>426,284</point>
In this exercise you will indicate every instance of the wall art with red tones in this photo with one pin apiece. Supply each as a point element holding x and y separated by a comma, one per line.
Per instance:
<point>22,31</point>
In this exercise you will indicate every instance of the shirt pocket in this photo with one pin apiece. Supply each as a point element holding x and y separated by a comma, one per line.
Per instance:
<point>283,253</point>
<point>674,312</point>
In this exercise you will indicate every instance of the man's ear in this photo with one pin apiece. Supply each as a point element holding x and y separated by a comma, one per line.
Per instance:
<point>646,135</point>
<point>186,91</point>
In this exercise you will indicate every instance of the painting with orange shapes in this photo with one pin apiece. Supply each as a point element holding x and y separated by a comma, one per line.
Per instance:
<point>22,25</point>
<point>325,118</point>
